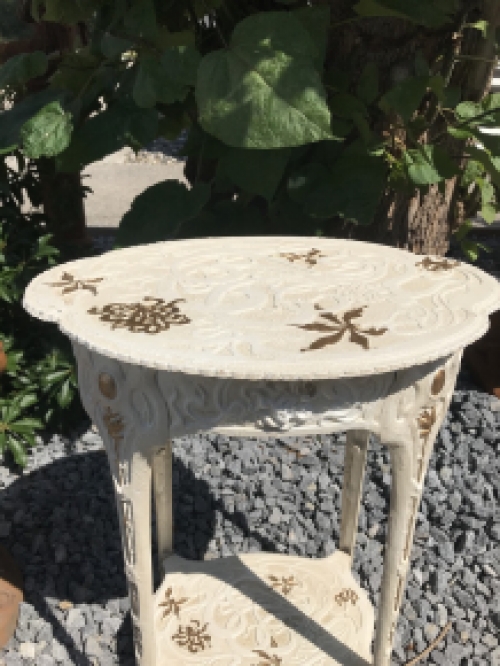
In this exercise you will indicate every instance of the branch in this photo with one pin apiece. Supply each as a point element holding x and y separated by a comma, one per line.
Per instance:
<point>431,646</point>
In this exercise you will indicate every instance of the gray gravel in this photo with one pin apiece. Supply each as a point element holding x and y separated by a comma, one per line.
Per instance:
<point>240,495</point>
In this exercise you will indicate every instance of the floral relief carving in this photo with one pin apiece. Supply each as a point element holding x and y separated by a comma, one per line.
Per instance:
<point>194,637</point>
<point>437,265</point>
<point>128,530</point>
<point>310,257</point>
<point>150,317</point>
<point>339,327</point>
<point>171,605</point>
<point>426,420</point>
<point>72,284</point>
<point>345,596</point>
<point>285,584</point>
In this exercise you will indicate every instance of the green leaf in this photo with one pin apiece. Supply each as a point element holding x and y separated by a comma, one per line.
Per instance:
<point>12,121</point>
<point>351,189</point>
<point>112,47</point>
<point>17,451</point>
<point>255,171</point>
<point>405,97</point>
<point>482,25</point>
<point>431,13</point>
<point>488,208</point>
<point>429,165</point>
<point>344,105</point>
<point>468,110</point>
<point>158,212</point>
<point>316,20</point>
<point>63,11</point>
<point>20,69</point>
<point>48,133</point>
<point>26,425</point>
<point>264,90</point>
<point>167,80</point>
<point>140,20</point>
<point>470,249</point>
<point>180,64</point>
<point>368,84</point>
<point>118,126</point>
<point>144,91</point>
<point>462,231</point>
<point>65,395</point>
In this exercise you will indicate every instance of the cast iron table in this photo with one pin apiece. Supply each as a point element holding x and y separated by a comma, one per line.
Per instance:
<point>264,336</point>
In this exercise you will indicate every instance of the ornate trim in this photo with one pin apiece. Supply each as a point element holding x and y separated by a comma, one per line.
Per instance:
<point>172,605</point>
<point>345,596</point>
<point>115,427</point>
<point>268,659</point>
<point>339,328</point>
<point>310,257</point>
<point>285,584</point>
<point>195,637</point>
<point>434,265</point>
<point>72,284</point>
<point>140,318</point>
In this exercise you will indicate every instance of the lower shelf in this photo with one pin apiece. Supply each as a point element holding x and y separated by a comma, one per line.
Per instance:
<point>262,610</point>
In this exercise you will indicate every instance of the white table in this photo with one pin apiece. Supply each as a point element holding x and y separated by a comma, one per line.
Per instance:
<point>264,337</point>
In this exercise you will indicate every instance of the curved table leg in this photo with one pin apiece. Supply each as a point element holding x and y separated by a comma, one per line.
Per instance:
<point>413,418</point>
<point>354,472</point>
<point>162,485</point>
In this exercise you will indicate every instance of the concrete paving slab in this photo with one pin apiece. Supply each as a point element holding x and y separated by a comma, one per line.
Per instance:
<point>115,184</point>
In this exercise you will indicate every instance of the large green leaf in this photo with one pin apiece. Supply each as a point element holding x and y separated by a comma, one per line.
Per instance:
<point>159,211</point>
<point>20,69</point>
<point>66,11</point>
<point>167,80</point>
<point>140,20</point>
<point>12,121</point>
<point>118,126</point>
<point>351,189</point>
<point>255,171</point>
<point>429,165</point>
<point>264,90</point>
<point>48,133</point>
<point>316,20</point>
<point>431,13</point>
<point>405,97</point>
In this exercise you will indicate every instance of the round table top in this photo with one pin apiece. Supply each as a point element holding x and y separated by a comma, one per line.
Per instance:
<point>278,308</point>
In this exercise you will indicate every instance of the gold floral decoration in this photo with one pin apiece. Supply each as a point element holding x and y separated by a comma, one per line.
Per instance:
<point>151,318</point>
<point>268,659</point>
<point>345,596</point>
<point>72,284</point>
<point>195,637</point>
<point>114,425</point>
<point>426,420</point>
<point>172,605</point>
<point>339,327</point>
<point>437,265</point>
<point>310,257</point>
<point>285,584</point>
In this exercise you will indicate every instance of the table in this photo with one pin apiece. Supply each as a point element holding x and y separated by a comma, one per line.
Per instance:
<point>264,336</point>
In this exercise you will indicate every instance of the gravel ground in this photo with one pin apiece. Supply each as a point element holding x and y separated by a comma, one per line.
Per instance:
<point>233,495</point>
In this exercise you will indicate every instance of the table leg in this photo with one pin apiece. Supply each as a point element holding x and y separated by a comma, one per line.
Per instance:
<point>134,511</point>
<point>162,486</point>
<point>354,472</point>
<point>412,421</point>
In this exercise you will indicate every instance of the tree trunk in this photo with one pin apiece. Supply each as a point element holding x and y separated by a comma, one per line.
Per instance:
<point>421,223</point>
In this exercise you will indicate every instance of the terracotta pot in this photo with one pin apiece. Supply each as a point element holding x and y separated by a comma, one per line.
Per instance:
<point>11,595</point>
<point>3,358</point>
<point>483,358</point>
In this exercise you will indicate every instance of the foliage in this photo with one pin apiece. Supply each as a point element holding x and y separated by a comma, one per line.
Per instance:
<point>280,139</point>
<point>38,388</point>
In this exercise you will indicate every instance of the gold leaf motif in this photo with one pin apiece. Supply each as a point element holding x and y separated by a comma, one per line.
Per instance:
<point>268,659</point>
<point>140,318</point>
<point>345,596</point>
<point>438,382</point>
<point>284,584</point>
<point>338,327</point>
<point>195,637</point>
<point>115,427</point>
<point>426,420</point>
<point>310,257</point>
<point>72,284</point>
<point>437,265</point>
<point>172,605</point>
